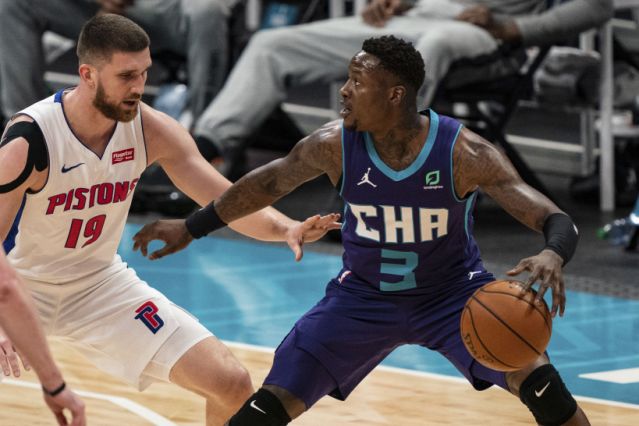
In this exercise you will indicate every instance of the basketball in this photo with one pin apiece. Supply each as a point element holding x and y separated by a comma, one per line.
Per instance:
<point>504,329</point>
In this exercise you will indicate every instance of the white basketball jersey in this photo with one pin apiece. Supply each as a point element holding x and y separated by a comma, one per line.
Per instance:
<point>72,227</point>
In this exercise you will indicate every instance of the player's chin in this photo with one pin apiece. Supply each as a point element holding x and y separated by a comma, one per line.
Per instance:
<point>127,115</point>
<point>349,123</point>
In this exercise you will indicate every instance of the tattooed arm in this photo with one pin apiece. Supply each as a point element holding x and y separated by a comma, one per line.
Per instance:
<point>316,154</point>
<point>478,164</point>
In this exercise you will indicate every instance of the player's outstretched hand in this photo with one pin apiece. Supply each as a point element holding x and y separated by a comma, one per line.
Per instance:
<point>70,401</point>
<point>173,232</point>
<point>9,357</point>
<point>546,268</point>
<point>312,229</point>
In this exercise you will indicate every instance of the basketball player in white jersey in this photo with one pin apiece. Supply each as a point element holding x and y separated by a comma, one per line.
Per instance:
<point>19,319</point>
<point>68,168</point>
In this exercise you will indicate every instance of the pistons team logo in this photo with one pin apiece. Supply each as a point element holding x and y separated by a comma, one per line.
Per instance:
<point>148,314</point>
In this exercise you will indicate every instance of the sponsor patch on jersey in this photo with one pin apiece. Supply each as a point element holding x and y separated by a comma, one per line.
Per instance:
<point>432,180</point>
<point>122,156</point>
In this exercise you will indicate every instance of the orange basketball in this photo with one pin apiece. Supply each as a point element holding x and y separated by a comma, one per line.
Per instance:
<point>504,329</point>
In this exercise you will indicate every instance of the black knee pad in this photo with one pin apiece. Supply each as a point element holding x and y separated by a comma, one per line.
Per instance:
<point>546,396</point>
<point>261,409</point>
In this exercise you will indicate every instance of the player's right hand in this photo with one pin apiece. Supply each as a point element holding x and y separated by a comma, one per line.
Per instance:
<point>172,232</point>
<point>544,268</point>
<point>9,357</point>
<point>70,401</point>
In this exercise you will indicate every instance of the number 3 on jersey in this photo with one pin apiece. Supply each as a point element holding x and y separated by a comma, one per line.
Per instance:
<point>406,269</point>
<point>92,231</point>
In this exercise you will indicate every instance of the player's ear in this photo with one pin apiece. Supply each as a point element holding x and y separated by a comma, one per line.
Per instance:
<point>87,74</point>
<point>397,94</point>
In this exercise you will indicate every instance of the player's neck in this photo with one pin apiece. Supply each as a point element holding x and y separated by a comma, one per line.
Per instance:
<point>399,144</point>
<point>86,121</point>
<point>401,132</point>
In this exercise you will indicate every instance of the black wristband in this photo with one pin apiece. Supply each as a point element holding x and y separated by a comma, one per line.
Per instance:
<point>204,221</point>
<point>55,391</point>
<point>561,235</point>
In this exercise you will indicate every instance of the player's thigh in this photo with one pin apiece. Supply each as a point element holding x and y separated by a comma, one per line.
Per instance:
<point>119,322</point>
<point>336,344</point>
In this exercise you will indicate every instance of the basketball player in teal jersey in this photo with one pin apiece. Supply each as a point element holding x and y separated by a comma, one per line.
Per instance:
<point>409,181</point>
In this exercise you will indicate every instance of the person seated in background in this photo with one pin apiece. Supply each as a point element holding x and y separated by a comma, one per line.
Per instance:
<point>198,29</point>
<point>443,31</point>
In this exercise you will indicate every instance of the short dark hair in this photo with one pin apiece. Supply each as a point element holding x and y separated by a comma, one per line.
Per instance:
<point>105,34</point>
<point>399,57</point>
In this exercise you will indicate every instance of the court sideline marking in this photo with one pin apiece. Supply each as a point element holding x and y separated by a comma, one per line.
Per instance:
<point>436,376</point>
<point>127,404</point>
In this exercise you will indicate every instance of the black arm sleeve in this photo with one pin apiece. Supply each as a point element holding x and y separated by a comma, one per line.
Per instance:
<point>561,235</point>
<point>37,156</point>
<point>204,221</point>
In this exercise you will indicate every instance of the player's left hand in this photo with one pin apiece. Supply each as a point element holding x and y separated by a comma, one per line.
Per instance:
<point>312,229</point>
<point>544,267</point>
<point>172,232</point>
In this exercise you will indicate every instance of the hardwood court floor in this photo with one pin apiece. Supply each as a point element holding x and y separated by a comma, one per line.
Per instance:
<point>386,397</point>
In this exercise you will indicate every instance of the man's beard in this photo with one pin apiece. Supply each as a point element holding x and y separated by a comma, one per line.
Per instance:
<point>110,110</point>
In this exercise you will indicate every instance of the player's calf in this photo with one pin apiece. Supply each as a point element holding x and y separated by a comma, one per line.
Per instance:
<point>546,396</point>
<point>262,408</point>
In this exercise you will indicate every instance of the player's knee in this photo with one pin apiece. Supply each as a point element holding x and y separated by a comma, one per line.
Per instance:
<point>244,385</point>
<point>262,408</point>
<point>230,385</point>
<point>546,396</point>
<point>238,388</point>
